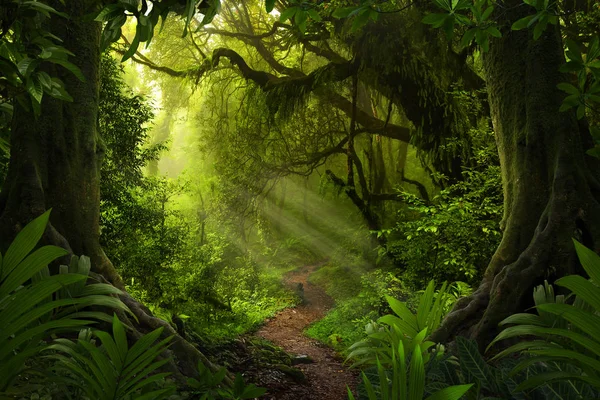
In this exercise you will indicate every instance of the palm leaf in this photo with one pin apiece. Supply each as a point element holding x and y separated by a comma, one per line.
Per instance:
<point>416,375</point>
<point>25,241</point>
<point>120,371</point>
<point>451,393</point>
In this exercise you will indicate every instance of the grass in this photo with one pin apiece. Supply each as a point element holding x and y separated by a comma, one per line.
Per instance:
<point>345,323</point>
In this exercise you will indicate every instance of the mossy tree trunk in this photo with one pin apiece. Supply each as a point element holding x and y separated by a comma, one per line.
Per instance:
<point>551,187</point>
<point>55,163</point>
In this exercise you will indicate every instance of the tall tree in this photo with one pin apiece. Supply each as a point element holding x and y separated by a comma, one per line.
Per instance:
<point>551,186</point>
<point>55,163</point>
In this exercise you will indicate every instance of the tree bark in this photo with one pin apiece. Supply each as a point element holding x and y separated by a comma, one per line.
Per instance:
<point>551,187</point>
<point>55,163</point>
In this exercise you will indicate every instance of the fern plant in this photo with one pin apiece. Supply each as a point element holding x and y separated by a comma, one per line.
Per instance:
<point>113,371</point>
<point>31,307</point>
<point>568,344</point>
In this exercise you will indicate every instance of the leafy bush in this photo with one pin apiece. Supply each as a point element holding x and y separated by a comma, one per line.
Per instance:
<point>396,345</point>
<point>453,237</point>
<point>569,349</point>
<point>407,382</point>
<point>405,326</point>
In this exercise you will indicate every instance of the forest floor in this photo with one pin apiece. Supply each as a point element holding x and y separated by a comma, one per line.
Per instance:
<point>326,376</point>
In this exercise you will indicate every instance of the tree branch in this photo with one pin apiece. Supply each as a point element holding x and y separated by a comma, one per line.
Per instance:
<point>241,36</point>
<point>268,82</point>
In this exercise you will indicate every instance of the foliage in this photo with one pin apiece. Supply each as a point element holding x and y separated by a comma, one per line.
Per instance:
<point>123,123</point>
<point>478,17</point>
<point>359,298</point>
<point>471,367</point>
<point>397,345</point>
<point>454,236</point>
<point>148,13</point>
<point>567,346</point>
<point>498,381</point>
<point>210,385</point>
<point>144,236</point>
<point>405,326</point>
<point>27,51</point>
<point>408,379</point>
<point>34,305</point>
<point>174,257</point>
<point>113,371</point>
<point>136,229</point>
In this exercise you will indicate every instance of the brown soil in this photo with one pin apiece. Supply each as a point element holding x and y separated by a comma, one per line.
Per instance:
<point>327,377</point>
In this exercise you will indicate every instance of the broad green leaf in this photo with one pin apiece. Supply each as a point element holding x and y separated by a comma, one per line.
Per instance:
<point>451,393</point>
<point>300,19</point>
<point>42,8</point>
<point>468,37</point>
<point>493,31</point>
<point>269,5</point>
<point>573,51</point>
<point>583,320</point>
<point>584,289</point>
<point>523,319</point>
<point>543,378</point>
<point>132,48</point>
<point>45,80</point>
<point>593,50</point>
<point>288,13</point>
<point>540,27</point>
<point>74,69</point>
<point>343,12</point>
<point>34,88</point>
<point>473,361</point>
<point>580,111</point>
<point>589,260</point>
<point>29,267</point>
<point>404,326</point>
<point>314,15</point>
<point>425,303</point>
<point>25,241</point>
<point>361,19</point>
<point>416,375</point>
<point>109,12</point>
<point>437,20</point>
<point>522,23</point>
<point>486,14</point>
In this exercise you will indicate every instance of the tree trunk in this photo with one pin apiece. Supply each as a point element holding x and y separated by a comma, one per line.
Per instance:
<point>55,163</point>
<point>551,188</point>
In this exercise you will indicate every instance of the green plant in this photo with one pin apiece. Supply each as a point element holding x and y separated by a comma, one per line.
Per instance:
<point>397,340</point>
<point>407,383</point>
<point>410,329</point>
<point>471,367</point>
<point>211,385</point>
<point>33,304</point>
<point>568,344</point>
<point>453,236</point>
<point>113,371</point>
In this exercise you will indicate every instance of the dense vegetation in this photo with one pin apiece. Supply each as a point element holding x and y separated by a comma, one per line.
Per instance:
<point>166,165</point>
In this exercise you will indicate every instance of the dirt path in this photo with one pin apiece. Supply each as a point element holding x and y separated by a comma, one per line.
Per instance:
<point>326,376</point>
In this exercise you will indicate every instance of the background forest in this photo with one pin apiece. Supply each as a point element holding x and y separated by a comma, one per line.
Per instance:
<point>431,163</point>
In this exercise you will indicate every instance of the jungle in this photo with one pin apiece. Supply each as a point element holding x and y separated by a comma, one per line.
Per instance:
<point>299,199</point>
